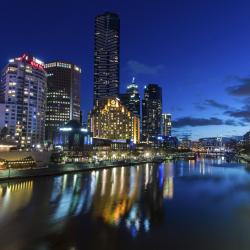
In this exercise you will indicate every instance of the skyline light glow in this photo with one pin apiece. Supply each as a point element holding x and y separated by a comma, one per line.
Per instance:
<point>197,51</point>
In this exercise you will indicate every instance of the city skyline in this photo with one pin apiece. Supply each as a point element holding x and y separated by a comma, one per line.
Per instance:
<point>204,77</point>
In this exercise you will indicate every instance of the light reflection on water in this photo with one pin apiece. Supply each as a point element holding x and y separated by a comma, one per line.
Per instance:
<point>14,197</point>
<point>127,202</point>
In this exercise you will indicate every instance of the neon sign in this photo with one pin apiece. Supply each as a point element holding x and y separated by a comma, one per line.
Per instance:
<point>32,61</point>
<point>36,65</point>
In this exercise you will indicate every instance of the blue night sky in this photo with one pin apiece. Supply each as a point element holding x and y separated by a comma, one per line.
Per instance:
<point>197,51</point>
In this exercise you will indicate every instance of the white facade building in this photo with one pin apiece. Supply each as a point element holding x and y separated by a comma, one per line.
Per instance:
<point>23,91</point>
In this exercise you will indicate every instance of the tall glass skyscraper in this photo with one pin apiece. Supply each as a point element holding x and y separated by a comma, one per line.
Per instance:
<point>131,99</point>
<point>63,101</point>
<point>151,112</point>
<point>107,56</point>
<point>166,124</point>
<point>23,100</point>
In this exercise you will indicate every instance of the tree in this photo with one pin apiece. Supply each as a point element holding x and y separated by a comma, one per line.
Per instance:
<point>3,133</point>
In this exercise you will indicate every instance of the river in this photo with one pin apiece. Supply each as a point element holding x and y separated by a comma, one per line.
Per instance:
<point>202,204</point>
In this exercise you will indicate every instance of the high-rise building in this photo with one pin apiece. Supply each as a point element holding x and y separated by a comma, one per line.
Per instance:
<point>151,112</point>
<point>112,120</point>
<point>107,56</point>
<point>166,124</point>
<point>23,93</point>
<point>131,99</point>
<point>63,98</point>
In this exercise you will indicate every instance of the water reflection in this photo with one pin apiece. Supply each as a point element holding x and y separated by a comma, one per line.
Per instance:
<point>14,197</point>
<point>131,199</point>
<point>123,196</point>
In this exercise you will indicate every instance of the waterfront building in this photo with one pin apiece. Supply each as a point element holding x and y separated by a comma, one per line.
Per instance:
<point>213,143</point>
<point>63,98</point>
<point>166,124</point>
<point>73,136</point>
<point>185,144</point>
<point>196,146</point>
<point>151,112</point>
<point>23,94</point>
<point>131,99</point>
<point>107,56</point>
<point>167,142</point>
<point>114,121</point>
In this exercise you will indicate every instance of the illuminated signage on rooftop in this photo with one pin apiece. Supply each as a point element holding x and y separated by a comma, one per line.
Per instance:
<point>34,62</point>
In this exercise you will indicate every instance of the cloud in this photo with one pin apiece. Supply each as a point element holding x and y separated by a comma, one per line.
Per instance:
<point>216,104</point>
<point>139,68</point>
<point>242,89</point>
<point>246,101</point>
<point>243,113</point>
<point>230,122</point>
<point>211,103</point>
<point>197,122</point>
<point>199,106</point>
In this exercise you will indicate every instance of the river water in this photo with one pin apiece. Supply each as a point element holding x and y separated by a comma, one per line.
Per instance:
<point>202,204</point>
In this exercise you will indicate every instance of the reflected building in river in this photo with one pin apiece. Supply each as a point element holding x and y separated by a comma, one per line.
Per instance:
<point>128,197</point>
<point>14,197</point>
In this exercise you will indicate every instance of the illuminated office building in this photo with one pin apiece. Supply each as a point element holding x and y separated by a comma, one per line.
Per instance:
<point>151,112</point>
<point>166,124</point>
<point>131,99</point>
<point>63,99</point>
<point>73,136</point>
<point>23,94</point>
<point>107,56</point>
<point>113,121</point>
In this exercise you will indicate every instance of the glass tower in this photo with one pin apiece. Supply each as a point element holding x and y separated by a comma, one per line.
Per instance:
<point>151,112</point>
<point>131,99</point>
<point>107,56</point>
<point>63,99</point>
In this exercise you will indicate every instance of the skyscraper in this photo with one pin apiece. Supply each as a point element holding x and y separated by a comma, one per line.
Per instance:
<point>151,112</point>
<point>131,99</point>
<point>107,56</point>
<point>23,95</point>
<point>166,124</point>
<point>63,101</point>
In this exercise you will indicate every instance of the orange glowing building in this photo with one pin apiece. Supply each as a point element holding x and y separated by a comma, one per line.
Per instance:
<point>113,121</point>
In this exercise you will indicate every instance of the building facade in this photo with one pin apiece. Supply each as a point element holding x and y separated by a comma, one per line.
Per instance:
<point>63,98</point>
<point>166,124</point>
<point>107,56</point>
<point>72,136</point>
<point>23,93</point>
<point>113,121</point>
<point>151,112</point>
<point>131,99</point>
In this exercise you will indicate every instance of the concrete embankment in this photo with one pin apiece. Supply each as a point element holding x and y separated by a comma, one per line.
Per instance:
<point>53,169</point>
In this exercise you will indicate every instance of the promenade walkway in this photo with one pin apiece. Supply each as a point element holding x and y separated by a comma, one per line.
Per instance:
<point>56,169</point>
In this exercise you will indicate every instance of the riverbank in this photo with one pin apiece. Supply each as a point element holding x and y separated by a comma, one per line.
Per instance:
<point>55,169</point>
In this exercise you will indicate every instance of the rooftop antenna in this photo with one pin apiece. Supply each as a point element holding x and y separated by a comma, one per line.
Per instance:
<point>133,80</point>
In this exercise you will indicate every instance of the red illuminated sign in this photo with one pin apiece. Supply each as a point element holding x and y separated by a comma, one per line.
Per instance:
<point>31,61</point>
<point>36,65</point>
